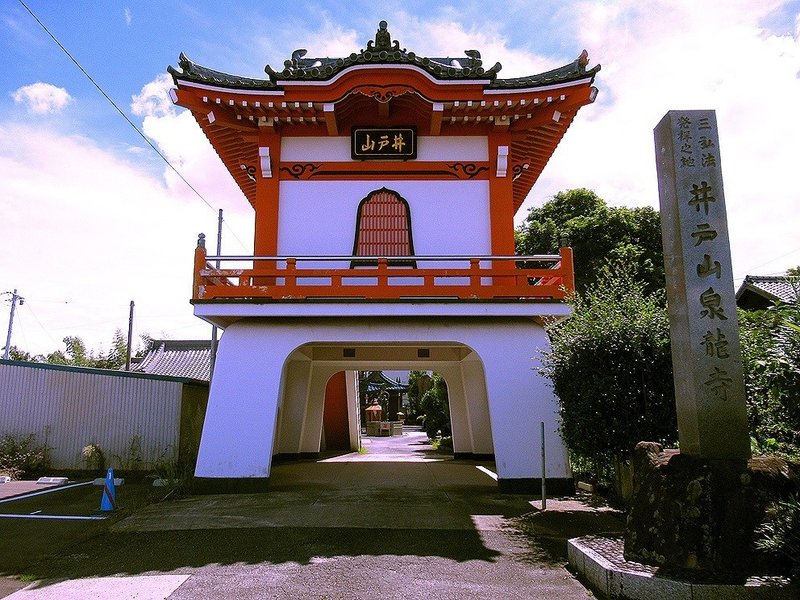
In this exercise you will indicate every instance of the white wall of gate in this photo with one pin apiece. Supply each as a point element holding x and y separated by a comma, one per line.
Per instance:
<point>68,408</point>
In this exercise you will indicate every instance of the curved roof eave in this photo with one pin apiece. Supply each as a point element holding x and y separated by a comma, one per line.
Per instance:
<point>382,53</point>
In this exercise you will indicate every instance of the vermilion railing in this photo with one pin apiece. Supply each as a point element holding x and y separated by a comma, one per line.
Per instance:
<point>303,277</point>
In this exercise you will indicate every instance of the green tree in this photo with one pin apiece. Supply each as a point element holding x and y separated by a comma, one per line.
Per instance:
<point>771,358</point>
<point>611,369</point>
<point>117,354</point>
<point>76,351</point>
<point>793,271</point>
<point>599,234</point>
<point>419,382</point>
<point>76,354</point>
<point>15,353</point>
<point>436,408</point>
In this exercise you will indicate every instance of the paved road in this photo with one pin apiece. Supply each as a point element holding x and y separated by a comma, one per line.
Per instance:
<point>359,526</point>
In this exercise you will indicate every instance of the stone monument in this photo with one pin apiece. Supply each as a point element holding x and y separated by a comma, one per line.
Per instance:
<point>704,330</point>
<point>698,507</point>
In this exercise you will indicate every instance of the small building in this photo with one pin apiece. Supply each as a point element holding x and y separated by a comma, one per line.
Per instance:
<point>758,292</point>
<point>138,420</point>
<point>176,358</point>
<point>384,185</point>
<point>375,385</point>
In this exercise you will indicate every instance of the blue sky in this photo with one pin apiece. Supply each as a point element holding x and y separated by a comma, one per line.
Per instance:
<point>92,219</point>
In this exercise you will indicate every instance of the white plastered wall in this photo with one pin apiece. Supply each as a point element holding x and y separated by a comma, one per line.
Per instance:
<point>447,217</point>
<point>497,398</point>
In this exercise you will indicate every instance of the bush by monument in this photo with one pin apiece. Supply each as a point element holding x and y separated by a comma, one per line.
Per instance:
<point>611,369</point>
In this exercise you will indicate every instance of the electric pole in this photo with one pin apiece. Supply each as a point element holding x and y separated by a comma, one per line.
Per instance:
<point>214,333</point>
<point>14,299</point>
<point>130,340</point>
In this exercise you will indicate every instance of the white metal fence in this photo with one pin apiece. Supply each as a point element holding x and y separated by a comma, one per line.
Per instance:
<point>135,419</point>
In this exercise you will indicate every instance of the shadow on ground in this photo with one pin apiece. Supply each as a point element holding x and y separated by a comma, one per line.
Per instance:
<point>134,553</point>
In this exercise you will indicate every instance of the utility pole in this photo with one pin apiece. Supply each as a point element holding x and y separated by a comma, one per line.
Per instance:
<point>130,339</point>
<point>214,327</point>
<point>14,298</point>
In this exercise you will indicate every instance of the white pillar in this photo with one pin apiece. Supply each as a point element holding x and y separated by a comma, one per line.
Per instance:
<point>239,429</point>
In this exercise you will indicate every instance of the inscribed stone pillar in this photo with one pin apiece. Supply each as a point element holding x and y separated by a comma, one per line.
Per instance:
<point>706,359</point>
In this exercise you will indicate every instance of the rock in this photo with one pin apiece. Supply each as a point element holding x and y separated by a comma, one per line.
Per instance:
<point>694,513</point>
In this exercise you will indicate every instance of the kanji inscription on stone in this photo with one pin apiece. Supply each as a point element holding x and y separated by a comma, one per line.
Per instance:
<point>704,331</point>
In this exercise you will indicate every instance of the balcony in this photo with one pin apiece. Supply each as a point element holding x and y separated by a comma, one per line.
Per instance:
<point>354,278</point>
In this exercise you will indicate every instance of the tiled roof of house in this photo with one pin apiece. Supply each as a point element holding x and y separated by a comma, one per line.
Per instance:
<point>383,51</point>
<point>177,358</point>
<point>376,381</point>
<point>782,289</point>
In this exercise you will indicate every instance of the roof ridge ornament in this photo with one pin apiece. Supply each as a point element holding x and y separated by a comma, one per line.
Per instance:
<point>383,39</point>
<point>385,51</point>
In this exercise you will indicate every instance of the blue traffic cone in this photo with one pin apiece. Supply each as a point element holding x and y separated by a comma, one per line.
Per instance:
<point>108,501</point>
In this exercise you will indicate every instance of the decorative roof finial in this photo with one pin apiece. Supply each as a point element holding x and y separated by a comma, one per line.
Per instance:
<point>383,40</point>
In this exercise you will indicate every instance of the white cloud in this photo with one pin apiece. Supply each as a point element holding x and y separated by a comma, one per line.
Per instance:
<point>42,98</point>
<point>128,16</point>
<point>661,55</point>
<point>178,137</point>
<point>95,232</point>
<point>154,100</point>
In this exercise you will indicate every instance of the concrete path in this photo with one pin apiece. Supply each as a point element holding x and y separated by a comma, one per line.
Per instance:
<point>19,488</point>
<point>355,526</point>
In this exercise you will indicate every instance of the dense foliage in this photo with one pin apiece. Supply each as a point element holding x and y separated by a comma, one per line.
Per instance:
<point>779,536</point>
<point>598,233</point>
<point>435,408</point>
<point>76,353</point>
<point>771,358</point>
<point>419,382</point>
<point>611,368</point>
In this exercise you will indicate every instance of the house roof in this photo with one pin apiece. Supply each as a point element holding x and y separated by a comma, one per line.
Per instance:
<point>177,358</point>
<point>376,381</point>
<point>330,96</point>
<point>767,290</point>
<point>382,51</point>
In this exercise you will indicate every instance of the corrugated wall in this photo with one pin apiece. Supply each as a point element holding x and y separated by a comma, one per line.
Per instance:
<point>70,409</point>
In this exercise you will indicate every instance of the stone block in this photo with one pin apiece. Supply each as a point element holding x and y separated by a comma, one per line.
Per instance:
<point>644,586</point>
<point>693,513</point>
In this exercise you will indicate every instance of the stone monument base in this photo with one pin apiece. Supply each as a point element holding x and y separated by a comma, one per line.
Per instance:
<point>694,513</point>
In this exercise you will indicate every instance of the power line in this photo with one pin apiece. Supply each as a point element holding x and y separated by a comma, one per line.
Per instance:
<point>33,314</point>
<point>124,116</point>
<point>773,260</point>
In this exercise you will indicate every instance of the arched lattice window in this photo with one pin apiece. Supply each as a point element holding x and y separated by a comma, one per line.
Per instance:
<point>383,228</point>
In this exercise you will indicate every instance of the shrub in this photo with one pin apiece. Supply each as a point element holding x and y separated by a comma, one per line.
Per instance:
<point>22,455</point>
<point>132,459</point>
<point>174,479</point>
<point>443,444</point>
<point>779,536</point>
<point>94,458</point>
<point>611,369</point>
<point>771,360</point>
<point>436,409</point>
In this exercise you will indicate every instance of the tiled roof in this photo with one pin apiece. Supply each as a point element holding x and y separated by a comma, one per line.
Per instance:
<point>376,381</point>
<point>383,51</point>
<point>774,288</point>
<point>177,358</point>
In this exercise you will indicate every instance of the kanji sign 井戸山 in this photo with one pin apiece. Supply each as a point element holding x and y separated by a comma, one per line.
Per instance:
<point>370,143</point>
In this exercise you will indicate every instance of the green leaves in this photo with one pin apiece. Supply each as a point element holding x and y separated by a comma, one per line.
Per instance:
<point>436,409</point>
<point>599,234</point>
<point>771,357</point>
<point>611,369</point>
